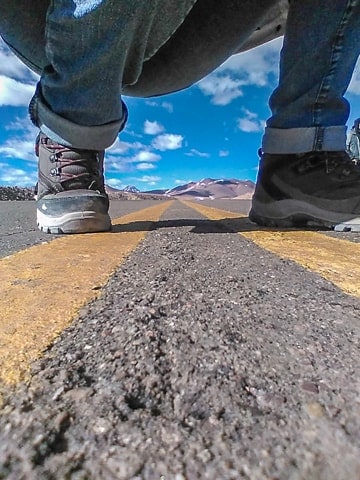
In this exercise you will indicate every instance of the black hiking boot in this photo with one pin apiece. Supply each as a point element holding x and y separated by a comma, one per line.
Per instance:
<point>70,193</point>
<point>314,189</point>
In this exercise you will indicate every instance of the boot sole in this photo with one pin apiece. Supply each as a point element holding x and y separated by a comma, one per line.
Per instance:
<point>74,222</point>
<point>293,213</point>
<point>75,211</point>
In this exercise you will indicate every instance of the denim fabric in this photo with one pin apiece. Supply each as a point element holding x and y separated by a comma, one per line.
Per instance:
<point>96,50</point>
<point>321,47</point>
<point>91,48</point>
<point>90,52</point>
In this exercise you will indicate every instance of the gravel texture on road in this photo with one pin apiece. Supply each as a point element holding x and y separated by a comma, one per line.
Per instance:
<point>206,357</point>
<point>18,229</point>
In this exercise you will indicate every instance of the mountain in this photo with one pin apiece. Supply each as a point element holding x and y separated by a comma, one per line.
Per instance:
<point>130,193</point>
<point>131,188</point>
<point>128,188</point>
<point>160,191</point>
<point>206,188</point>
<point>214,188</point>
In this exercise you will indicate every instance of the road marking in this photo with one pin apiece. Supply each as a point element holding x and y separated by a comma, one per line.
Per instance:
<point>335,259</point>
<point>43,288</point>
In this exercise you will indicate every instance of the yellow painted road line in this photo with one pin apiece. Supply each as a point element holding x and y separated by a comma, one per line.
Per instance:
<point>43,288</point>
<point>335,259</point>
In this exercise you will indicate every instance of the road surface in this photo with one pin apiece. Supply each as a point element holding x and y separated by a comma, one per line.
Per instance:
<point>185,344</point>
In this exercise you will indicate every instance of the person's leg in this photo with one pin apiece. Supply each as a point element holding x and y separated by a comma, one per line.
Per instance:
<point>138,48</point>
<point>321,47</point>
<point>304,176</point>
<point>92,48</point>
<point>210,34</point>
<point>23,29</point>
<point>95,49</point>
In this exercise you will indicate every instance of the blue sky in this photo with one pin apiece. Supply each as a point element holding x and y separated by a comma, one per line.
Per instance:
<point>212,129</point>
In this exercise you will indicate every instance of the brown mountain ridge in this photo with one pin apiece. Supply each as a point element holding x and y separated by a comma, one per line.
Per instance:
<point>205,188</point>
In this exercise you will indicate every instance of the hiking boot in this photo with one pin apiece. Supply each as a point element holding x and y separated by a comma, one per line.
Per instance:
<point>70,192</point>
<point>314,189</point>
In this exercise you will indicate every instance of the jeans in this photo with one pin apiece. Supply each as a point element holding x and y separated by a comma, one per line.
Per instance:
<point>90,52</point>
<point>320,50</point>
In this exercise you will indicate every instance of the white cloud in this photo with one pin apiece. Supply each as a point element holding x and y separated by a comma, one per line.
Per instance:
<point>142,160</point>
<point>16,176</point>
<point>221,88</point>
<point>14,93</point>
<point>145,166</point>
<point>114,164</point>
<point>120,147</point>
<point>181,182</point>
<point>17,82</point>
<point>224,153</point>
<point>168,141</point>
<point>115,183</point>
<point>152,128</point>
<point>250,115</point>
<point>146,156</point>
<point>248,126</point>
<point>250,122</point>
<point>21,145</point>
<point>11,66</point>
<point>166,105</point>
<point>18,148</point>
<point>136,159</point>
<point>149,179</point>
<point>257,67</point>
<point>22,125</point>
<point>195,153</point>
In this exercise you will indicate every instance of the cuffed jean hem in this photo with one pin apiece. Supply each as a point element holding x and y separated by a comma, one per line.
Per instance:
<point>301,140</point>
<point>70,134</point>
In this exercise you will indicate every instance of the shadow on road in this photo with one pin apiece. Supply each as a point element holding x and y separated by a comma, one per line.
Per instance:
<point>241,224</point>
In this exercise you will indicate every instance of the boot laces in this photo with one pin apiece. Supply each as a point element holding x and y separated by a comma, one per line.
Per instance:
<point>73,165</point>
<point>338,164</point>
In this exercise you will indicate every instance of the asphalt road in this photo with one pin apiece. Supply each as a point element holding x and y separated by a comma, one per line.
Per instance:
<point>204,356</point>
<point>18,228</point>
